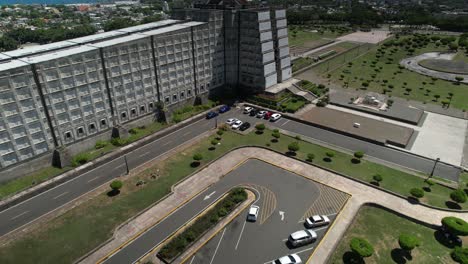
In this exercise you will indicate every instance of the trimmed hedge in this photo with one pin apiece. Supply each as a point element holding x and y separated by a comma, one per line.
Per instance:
<point>455,225</point>
<point>408,242</point>
<point>182,241</point>
<point>361,247</point>
<point>460,255</point>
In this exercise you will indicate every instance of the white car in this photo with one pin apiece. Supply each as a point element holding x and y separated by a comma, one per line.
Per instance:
<point>253,213</point>
<point>247,109</point>
<point>275,117</point>
<point>316,221</point>
<point>236,124</point>
<point>231,121</point>
<point>261,114</point>
<point>289,259</point>
<point>302,237</point>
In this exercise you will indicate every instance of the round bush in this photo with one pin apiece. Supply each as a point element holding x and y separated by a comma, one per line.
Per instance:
<point>377,177</point>
<point>220,132</point>
<point>293,147</point>
<point>417,192</point>
<point>310,157</point>
<point>460,255</point>
<point>408,242</point>
<point>359,154</point>
<point>458,196</point>
<point>197,156</point>
<point>116,185</point>
<point>455,225</point>
<point>330,154</point>
<point>361,247</point>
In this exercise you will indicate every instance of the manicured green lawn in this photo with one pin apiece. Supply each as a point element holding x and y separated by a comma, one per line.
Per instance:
<point>69,236</point>
<point>25,182</point>
<point>312,38</point>
<point>382,229</point>
<point>387,68</point>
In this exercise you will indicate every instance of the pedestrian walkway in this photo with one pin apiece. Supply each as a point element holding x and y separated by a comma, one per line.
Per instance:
<point>360,195</point>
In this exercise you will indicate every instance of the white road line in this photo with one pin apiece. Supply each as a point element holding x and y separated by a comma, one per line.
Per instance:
<point>287,121</point>
<point>144,154</point>
<point>186,133</point>
<point>120,166</point>
<point>93,179</point>
<point>25,212</point>
<point>307,249</point>
<point>240,236</point>
<point>192,260</point>
<point>332,214</point>
<point>318,229</point>
<point>167,143</point>
<point>219,243</point>
<point>60,195</point>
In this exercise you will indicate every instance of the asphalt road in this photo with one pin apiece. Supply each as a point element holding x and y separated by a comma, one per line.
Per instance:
<point>293,195</point>
<point>245,242</point>
<point>41,204</point>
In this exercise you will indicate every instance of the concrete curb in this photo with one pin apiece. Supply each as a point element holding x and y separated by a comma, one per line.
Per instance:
<point>64,177</point>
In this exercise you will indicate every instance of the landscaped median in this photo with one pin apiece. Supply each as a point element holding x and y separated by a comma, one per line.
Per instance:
<point>78,231</point>
<point>202,224</point>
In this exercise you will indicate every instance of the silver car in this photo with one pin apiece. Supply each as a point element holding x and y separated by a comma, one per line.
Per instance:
<point>289,259</point>
<point>302,237</point>
<point>316,221</point>
<point>253,213</point>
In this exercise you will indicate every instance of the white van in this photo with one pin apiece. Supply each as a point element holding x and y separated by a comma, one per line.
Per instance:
<point>302,237</point>
<point>253,213</point>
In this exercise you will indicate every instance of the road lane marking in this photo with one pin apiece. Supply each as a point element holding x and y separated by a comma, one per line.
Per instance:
<point>321,228</point>
<point>186,133</point>
<point>307,249</point>
<point>93,179</point>
<point>240,236</point>
<point>120,166</point>
<point>332,214</point>
<point>167,143</point>
<point>192,259</point>
<point>25,212</point>
<point>209,196</point>
<point>219,243</point>
<point>60,195</point>
<point>144,154</point>
<point>287,121</point>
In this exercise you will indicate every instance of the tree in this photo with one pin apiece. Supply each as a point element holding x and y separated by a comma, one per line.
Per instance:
<point>417,192</point>
<point>330,155</point>
<point>460,254</point>
<point>220,132</point>
<point>197,157</point>
<point>293,147</point>
<point>436,96</point>
<point>456,226</point>
<point>260,128</point>
<point>429,183</point>
<point>118,23</point>
<point>214,142</point>
<point>408,242</point>
<point>358,155</point>
<point>458,196</point>
<point>459,79</point>
<point>377,178</point>
<point>116,186</point>
<point>361,247</point>
<point>276,136</point>
<point>310,157</point>
<point>408,90</point>
<point>7,44</point>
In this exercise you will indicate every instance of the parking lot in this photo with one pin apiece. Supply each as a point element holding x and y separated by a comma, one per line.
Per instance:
<point>285,200</point>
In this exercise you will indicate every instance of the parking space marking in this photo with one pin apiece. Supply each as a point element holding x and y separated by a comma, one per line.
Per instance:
<point>329,202</point>
<point>298,252</point>
<point>240,235</point>
<point>287,121</point>
<point>216,250</point>
<point>192,259</point>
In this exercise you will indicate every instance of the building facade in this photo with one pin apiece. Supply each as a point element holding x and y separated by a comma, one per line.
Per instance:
<point>59,94</point>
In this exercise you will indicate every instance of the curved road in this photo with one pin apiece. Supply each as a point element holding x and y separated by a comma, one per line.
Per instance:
<point>41,204</point>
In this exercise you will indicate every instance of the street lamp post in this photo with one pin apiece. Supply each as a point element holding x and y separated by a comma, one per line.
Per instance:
<point>433,168</point>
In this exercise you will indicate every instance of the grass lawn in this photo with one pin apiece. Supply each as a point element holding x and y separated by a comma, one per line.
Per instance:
<point>387,68</point>
<point>304,36</point>
<point>382,229</point>
<point>25,182</point>
<point>301,63</point>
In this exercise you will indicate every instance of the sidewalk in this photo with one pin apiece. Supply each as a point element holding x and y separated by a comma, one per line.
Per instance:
<point>361,194</point>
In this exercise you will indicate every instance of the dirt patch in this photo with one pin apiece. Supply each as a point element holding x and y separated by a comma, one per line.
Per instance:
<point>372,129</point>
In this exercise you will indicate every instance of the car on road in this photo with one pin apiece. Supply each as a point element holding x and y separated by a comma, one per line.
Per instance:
<point>248,109</point>
<point>224,109</point>
<point>268,115</point>
<point>261,114</point>
<point>316,221</point>
<point>236,124</point>
<point>275,117</point>
<point>231,121</point>
<point>253,213</point>
<point>211,114</point>
<point>289,259</point>
<point>302,237</point>
<point>244,126</point>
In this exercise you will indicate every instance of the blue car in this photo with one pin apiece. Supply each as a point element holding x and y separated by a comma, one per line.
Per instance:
<point>224,109</point>
<point>211,114</point>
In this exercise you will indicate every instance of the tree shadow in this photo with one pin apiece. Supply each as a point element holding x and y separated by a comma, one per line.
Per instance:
<point>350,257</point>
<point>355,161</point>
<point>375,183</point>
<point>113,193</point>
<point>447,240</point>
<point>427,189</point>
<point>258,132</point>
<point>400,256</point>
<point>211,148</point>
<point>452,205</point>
<point>274,140</point>
<point>327,159</point>
<point>195,164</point>
<point>291,153</point>
<point>412,200</point>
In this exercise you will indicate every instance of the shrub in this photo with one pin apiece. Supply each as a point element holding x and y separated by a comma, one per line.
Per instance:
<point>460,255</point>
<point>80,159</point>
<point>417,192</point>
<point>408,242</point>
<point>330,154</point>
<point>276,135</point>
<point>197,157</point>
<point>293,146</point>
<point>116,186</point>
<point>377,177</point>
<point>361,247</point>
<point>101,144</point>
<point>176,118</point>
<point>359,154</point>
<point>132,131</point>
<point>214,142</point>
<point>458,196</point>
<point>310,157</point>
<point>118,142</point>
<point>220,132</point>
<point>455,225</point>
<point>260,128</point>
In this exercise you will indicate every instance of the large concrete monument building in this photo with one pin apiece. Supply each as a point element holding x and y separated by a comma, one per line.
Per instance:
<point>72,93</point>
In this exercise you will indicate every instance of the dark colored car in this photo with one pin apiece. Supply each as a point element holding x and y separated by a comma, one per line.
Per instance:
<point>253,112</point>
<point>211,114</point>
<point>224,109</point>
<point>268,115</point>
<point>244,126</point>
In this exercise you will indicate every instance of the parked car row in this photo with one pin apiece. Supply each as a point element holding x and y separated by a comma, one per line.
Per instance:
<point>237,124</point>
<point>222,109</point>
<point>268,115</point>
<point>303,237</point>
